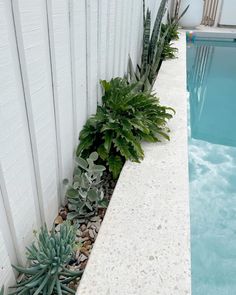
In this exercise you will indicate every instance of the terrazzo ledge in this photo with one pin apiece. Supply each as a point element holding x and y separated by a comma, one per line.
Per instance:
<point>143,246</point>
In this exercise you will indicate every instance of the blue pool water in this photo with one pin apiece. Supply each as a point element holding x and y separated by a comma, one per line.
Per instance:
<point>212,165</point>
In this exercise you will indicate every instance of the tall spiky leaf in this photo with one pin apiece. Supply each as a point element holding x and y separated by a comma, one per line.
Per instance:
<point>146,40</point>
<point>157,29</point>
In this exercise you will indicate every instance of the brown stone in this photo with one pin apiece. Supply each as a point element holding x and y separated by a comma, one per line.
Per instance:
<point>58,220</point>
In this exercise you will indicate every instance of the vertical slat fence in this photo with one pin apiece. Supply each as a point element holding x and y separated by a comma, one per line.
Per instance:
<point>52,55</point>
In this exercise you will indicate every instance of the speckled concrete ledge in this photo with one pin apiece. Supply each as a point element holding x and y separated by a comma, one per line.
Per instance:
<point>143,246</point>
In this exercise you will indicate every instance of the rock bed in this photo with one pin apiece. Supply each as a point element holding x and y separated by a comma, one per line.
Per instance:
<point>87,231</point>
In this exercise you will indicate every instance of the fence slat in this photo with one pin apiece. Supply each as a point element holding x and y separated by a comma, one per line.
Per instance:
<point>6,274</point>
<point>79,63</point>
<point>92,55</point>
<point>17,179</point>
<point>52,55</point>
<point>59,31</point>
<point>32,36</point>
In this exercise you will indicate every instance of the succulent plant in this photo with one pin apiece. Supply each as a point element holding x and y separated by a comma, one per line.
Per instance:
<point>153,44</point>
<point>48,257</point>
<point>85,196</point>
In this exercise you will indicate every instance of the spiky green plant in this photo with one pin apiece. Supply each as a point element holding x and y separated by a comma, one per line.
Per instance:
<point>48,257</point>
<point>153,44</point>
<point>125,118</point>
<point>85,196</point>
<point>156,46</point>
<point>2,291</point>
<point>170,30</point>
<point>169,51</point>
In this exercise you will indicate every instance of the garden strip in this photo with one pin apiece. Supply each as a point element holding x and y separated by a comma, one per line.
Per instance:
<point>143,246</point>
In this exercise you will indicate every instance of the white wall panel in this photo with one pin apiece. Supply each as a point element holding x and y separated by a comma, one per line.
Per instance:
<point>92,55</point>
<point>126,35</point>
<point>52,55</point>
<point>17,180</point>
<point>118,36</point>
<point>111,38</point>
<point>103,11</point>
<point>58,17</point>
<point>32,34</point>
<point>79,60</point>
<point>6,273</point>
<point>103,38</point>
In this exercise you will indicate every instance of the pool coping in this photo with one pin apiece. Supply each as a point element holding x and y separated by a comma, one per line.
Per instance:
<point>143,246</point>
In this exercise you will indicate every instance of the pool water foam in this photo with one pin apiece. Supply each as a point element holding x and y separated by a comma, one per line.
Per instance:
<point>212,166</point>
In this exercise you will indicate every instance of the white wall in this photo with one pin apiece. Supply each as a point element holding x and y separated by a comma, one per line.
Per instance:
<point>52,55</point>
<point>228,13</point>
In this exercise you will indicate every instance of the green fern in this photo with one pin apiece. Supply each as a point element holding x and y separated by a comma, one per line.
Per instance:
<point>125,118</point>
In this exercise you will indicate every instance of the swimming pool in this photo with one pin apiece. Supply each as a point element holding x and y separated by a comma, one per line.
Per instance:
<point>211,71</point>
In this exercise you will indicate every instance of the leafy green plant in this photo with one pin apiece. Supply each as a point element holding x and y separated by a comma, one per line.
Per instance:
<point>170,31</point>
<point>156,45</point>
<point>153,44</point>
<point>125,118</point>
<point>2,291</point>
<point>85,196</point>
<point>169,52</point>
<point>48,257</point>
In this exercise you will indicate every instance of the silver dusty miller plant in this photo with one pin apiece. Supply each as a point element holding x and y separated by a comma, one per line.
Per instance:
<point>85,196</point>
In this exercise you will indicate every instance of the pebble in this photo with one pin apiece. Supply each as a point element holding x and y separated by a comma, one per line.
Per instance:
<point>84,251</point>
<point>89,224</point>
<point>82,258</point>
<point>95,218</point>
<point>87,230</point>
<point>79,233</point>
<point>91,233</point>
<point>58,220</point>
<point>83,227</point>
<point>57,228</point>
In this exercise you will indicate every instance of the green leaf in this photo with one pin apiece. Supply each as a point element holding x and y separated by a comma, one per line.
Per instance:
<point>85,144</point>
<point>82,163</point>
<point>89,206</point>
<point>115,165</point>
<point>71,193</point>
<point>72,215</point>
<point>102,152</point>
<point>93,156</point>
<point>103,203</point>
<point>99,168</point>
<point>108,136</point>
<point>92,195</point>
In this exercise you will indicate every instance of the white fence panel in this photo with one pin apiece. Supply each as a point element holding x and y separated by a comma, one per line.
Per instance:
<point>32,34</point>
<point>110,62</point>
<point>6,272</point>
<point>79,61</point>
<point>17,180</point>
<point>52,55</point>
<point>58,15</point>
<point>92,55</point>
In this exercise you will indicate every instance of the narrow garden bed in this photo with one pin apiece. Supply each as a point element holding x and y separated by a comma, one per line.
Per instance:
<point>129,114</point>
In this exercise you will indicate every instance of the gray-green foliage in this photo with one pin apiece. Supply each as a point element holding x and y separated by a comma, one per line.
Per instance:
<point>85,196</point>
<point>153,45</point>
<point>48,257</point>
<point>2,291</point>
